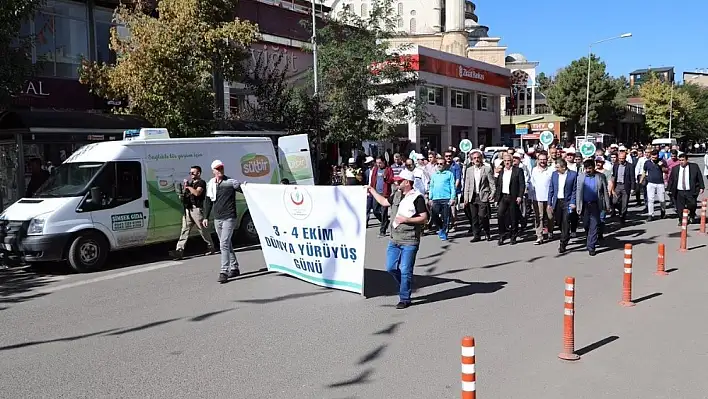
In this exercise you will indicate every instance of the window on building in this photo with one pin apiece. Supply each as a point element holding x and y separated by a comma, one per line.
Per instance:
<point>364,10</point>
<point>61,31</point>
<point>433,95</point>
<point>400,9</point>
<point>412,25</point>
<point>483,102</point>
<point>400,23</point>
<point>460,99</point>
<point>103,21</point>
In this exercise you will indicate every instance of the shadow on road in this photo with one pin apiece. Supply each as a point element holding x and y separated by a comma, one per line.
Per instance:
<point>361,378</point>
<point>16,285</point>
<point>205,316</point>
<point>596,345</point>
<point>647,297</point>
<point>284,297</point>
<point>390,330</point>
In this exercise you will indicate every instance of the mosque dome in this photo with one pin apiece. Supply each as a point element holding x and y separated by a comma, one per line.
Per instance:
<point>515,57</point>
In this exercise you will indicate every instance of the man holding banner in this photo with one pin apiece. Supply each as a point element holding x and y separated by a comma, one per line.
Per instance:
<point>409,217</point>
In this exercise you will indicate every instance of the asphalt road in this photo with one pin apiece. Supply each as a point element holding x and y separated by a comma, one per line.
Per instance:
<point>167,329</point>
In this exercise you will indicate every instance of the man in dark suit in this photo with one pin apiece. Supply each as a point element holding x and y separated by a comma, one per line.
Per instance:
<point>510,189</point>
<point>561,199</point>
<point>622,184</point>
<point>593,197</point>
<point>685,185</point>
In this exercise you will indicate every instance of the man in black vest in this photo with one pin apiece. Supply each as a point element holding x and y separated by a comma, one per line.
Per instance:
<point>510,189</point>
<point>685,186</point>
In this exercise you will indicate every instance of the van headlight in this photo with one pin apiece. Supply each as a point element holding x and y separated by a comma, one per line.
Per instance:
<point>36,226</point>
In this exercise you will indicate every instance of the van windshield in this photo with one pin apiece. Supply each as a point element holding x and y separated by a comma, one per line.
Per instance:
<point>69,179</point>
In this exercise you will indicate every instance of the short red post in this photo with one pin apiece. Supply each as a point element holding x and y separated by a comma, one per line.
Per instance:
<point>684,232</point>
<point>703,216</point>
<point>661,261</point>
<point>627,279</point>
<point>469,376</point>
<point>569,322</point>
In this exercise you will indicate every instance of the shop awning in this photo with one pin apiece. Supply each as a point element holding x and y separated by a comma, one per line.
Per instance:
<point>69,122</point>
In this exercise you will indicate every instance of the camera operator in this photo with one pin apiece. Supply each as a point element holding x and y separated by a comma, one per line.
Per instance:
<point>192,196</point>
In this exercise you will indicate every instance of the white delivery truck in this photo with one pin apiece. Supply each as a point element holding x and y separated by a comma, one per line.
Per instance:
<point>121,194</point>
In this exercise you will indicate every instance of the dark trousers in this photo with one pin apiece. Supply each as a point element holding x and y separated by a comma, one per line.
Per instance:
<point>686,200</point>
<point>441,214</point>
<point>621,199</point>
<point>639,191</point>
<point>507,216</point>
<point>381,213</point>
<point>573,220</point>
<point>591,220</point>
<point>561,214</point>
<point>477,213</point>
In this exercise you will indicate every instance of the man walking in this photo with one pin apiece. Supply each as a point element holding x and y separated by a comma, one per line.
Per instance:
<point>592,196</point>
<point>381,179</point>
<point>221,199</point>
<point>192,198</point>
<point>456,170</point>
<point>479,192</point>
<point>622,184</point>
<point>653,177</point>
<point>561,200</point>
<point>685,186</point>
<point>539,185</point>
<point>409,217</point>
<point>442,195</point>
<point>640,189</point>
<point>510,188</point>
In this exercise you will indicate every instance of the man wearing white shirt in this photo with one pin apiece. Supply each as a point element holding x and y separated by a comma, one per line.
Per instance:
<point>640,189</point>
<point>685,186</point>
<point>479,191</point>
<point>539,184</point>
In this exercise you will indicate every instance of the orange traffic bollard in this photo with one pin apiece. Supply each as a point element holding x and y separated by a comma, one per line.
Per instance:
<point>683,247</point>
<point>469,377</point>
<point>627,280</point>
<point>703,216</point>
<point>661,262</point>
<point>569,322</point>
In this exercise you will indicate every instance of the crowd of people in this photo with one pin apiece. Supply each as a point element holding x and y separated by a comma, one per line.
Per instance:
<point>556,189</point>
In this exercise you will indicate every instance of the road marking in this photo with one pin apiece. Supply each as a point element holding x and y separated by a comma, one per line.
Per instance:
<point>156,266</point>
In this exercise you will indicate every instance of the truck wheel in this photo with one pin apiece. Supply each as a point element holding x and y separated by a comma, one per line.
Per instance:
<point>248,229</point>
<point>88,252</point>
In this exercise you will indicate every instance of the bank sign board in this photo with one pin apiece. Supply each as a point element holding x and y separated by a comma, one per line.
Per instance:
<point>522,130</point>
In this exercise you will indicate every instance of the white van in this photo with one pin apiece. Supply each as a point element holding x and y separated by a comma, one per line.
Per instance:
<point>121,194</point>
<point>664,141</point>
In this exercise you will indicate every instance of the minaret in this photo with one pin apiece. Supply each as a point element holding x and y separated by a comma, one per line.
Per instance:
<point>454,38</point>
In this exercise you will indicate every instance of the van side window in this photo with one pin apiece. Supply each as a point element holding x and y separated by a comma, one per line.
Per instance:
<point>129,185</point>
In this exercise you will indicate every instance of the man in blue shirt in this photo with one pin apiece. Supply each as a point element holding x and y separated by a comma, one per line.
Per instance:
<point>593,197</point>
<point>442,195</point>
<point>456,171</point>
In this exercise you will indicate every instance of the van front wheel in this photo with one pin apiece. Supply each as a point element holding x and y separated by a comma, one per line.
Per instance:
<point>88,252</point>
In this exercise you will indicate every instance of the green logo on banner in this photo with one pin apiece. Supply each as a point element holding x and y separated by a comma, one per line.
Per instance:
<point>587,149</point>
<point>465,145</point>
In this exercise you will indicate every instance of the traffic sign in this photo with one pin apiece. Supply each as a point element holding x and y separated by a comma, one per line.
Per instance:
<point>465,145</point>
<point>587,149</point>
<point>546,138</point>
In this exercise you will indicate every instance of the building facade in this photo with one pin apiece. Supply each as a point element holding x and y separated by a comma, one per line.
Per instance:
<point>462,97</point>
<point>699,78</point>
<point>665,74</point>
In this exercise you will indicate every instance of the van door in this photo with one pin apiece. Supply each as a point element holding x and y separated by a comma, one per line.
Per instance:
<point>124,208</point>
<point>294,159</point>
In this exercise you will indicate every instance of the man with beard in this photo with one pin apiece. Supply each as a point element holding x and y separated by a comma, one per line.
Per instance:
<point>592,196</point>
<point>685,186</point>
<point>510,188</point>
<point>479,192</point>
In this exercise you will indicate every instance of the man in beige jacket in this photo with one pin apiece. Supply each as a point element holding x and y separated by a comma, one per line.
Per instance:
<point>479,188</point>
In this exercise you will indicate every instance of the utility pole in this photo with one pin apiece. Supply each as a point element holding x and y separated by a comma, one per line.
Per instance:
<point>671,107</point>
<point>316,93</point>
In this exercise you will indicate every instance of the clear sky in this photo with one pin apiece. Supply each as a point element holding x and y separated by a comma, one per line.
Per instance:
<point>555,32</point>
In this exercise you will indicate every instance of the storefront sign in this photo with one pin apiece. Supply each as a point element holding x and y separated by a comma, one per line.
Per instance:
<point>278,56</point>
<point>34,88</point>
<point>57,94</point>
<point>522,130</point>
<point>530,136</point>
<point>454,70</point>
<point>540,127</point>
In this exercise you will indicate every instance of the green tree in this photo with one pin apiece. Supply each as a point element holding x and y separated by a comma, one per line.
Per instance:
<point>697,121</point>
<point>544,82</point>
<point>567,95</point>
<point>165,65</point>
<point>15,49</point>
<point>663,102</point>
<point>360,71</point>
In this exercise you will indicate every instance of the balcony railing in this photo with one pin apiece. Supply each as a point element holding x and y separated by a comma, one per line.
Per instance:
<point>540,109</point>
<point>298,7</point>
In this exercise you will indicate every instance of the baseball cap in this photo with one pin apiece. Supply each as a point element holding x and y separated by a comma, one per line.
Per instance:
<point>613,145</point>
<point>404,175</point>
<point>369,160</point>
<point>600,158</point>
<point>518,155</point>
<point>569,150</point>
<point>217,164</point>
<point>622,148</point>
<point>351,160</point>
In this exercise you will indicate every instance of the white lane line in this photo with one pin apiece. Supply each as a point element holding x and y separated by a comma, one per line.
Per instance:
<point>156,266</point>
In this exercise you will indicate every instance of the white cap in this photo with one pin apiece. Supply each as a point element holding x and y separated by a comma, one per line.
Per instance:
<point>351,160</point>
<point>217,164</point>
<point>531,150</point>
<point>369,160</point>
<point>518,155</point>
<point>622,148</point>
<point>569,150</point>
<point>497,162</point>
<point>405,175</point>
<point>613,145</point>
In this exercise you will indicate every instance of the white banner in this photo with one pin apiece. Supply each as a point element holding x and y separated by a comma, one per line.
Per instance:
<point>314,233</point>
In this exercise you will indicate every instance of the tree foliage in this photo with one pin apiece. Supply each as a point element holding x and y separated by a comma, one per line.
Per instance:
<point>15,49</point>
<point>361,74</point>
<point>697,121</point>
<point>663,102</point>
<point>567,95</point>
<point>544,82</point>
<point>166,63</point>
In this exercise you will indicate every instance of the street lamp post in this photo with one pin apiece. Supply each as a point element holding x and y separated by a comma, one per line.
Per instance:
<point>587,92</point>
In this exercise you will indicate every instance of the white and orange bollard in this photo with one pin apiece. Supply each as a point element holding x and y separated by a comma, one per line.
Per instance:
<point>469,376</point>
<point>627,279</point>
<point>569,322</point>
<point>683,247</point>
<point>703,216</point>
<point>661,261</point>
